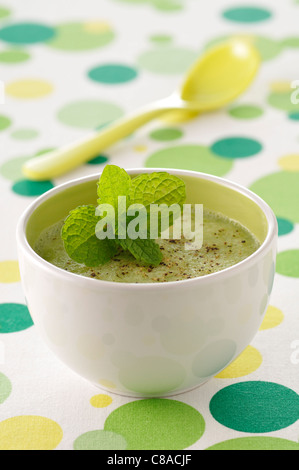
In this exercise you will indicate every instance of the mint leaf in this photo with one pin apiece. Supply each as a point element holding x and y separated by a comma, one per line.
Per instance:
<point>80,241</point>
<point>114,182</point>
<point>145,250</point>
<point>86,245</point>
<point>157,188</point>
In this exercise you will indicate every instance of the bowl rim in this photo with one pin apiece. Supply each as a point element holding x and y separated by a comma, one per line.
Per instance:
<point>53,270</point>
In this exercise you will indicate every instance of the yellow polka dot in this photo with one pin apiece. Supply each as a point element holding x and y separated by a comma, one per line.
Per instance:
<point>107,383</point>
<point>29,433</point>
<point>97,27</point>
<point>280,86</point>
<point>249,361</point>
<point>140,148</point>
<point>9,271</point>
<point>26,89</point>
<point>289,162</point>
<point>273,318</point>
<point>100,401</point>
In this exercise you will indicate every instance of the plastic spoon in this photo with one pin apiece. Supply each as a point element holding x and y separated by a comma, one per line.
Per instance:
<point>216,79</point>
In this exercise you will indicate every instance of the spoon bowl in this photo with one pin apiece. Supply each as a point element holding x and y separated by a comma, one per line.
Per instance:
<point>220,76</point>
<point>216,79</point>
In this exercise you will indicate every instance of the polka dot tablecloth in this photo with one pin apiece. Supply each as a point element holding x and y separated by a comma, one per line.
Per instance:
<point>71,67</point>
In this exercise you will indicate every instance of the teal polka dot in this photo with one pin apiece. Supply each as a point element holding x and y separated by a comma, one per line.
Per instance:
<point>26,33</point>
<point>247,14</point>
<point>236,147</point>
<point>99,160</point>
<point>284,226</point>
<point>255,407</point>
<point>112,74</point>
<point>294,116</point>
<point>14,317</point>
<point>31,188</point>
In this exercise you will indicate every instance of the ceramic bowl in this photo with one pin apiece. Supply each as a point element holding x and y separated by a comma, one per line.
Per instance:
<point>158,339</point>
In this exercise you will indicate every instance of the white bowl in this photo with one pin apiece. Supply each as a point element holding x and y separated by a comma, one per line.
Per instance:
<point>158,339</point>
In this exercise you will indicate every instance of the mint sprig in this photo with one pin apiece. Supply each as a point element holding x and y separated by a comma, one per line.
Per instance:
<point>80,241</point>
<point>79,230</point>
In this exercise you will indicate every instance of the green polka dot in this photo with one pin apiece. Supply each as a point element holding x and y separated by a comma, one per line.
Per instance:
<point>190,157</point>
<point>100,440</point>
<point>31,188</point>
<point>236,147</point>
<point>24,134</point>
<point>287,263</point>
<point>167,5</point>
<point>162,5</point>
<point>283,101</point>
<point>5,122</point>
<point>255,407</point>
<point>284,226</point>
<point>156,424</point>
<point>99,160</point>
<point>281,191</point>
<point>256,443</point>
<point>4,12</point>
<point>246,112</point>
<point>161,39</point>
<point>166,134</point>
<point>14,317</point>
<point>292,42</point>
<point>81,36</point>
<point>12,169</point>
<point>13,56</point>
<point>268,48</point>
<point>247,14</point>
<point>112,74</point>
<point>167,60</point>
<point>26,33</point>
<point>5,384</point>
<point>89,114</point>
<point>43,151</point>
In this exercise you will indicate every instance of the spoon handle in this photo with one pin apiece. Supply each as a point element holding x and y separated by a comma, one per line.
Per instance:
<point>60,161</point>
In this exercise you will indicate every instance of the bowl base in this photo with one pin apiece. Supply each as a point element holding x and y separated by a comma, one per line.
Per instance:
<point>145,395</point>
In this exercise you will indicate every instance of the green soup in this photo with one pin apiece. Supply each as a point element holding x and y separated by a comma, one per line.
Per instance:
<point>225,243</point>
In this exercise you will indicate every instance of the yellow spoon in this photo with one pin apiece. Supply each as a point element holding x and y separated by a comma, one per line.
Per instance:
<point>216,79</point>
